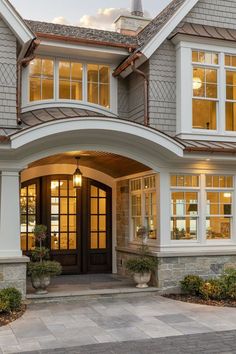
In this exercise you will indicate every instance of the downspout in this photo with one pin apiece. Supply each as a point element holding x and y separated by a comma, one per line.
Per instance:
<point>145,82</point>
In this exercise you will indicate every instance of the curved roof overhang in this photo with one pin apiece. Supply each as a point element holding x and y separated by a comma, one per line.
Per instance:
<point>143,144</point>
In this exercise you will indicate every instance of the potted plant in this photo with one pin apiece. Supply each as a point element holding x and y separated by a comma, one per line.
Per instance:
<point>40,269</point>
<point>142,266</point>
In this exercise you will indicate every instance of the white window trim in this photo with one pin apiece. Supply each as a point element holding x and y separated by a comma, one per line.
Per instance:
<point>142,191</point>
<point>56,102</point>
<point>184,91</point>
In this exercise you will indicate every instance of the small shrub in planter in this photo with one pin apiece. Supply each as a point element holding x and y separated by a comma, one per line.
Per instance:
<point>47,268</point>
<point>142,265</point>
<point>10,300</point>
<point>191,285</point>
<point>212,290</point>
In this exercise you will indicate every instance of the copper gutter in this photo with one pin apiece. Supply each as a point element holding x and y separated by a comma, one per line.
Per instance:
<point>23,63</point>
<point>84,41</point>
<point>145,82</point>
<point>210,150</point>
<point>126,63</point>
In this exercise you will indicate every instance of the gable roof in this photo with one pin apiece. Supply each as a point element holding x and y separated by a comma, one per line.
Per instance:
<point>81,34</point>
<point>16,23</point>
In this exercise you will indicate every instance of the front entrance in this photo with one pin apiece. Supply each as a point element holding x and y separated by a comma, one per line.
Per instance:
<point>78,222</point>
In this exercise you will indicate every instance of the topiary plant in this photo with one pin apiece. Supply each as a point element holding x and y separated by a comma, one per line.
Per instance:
<point>45,268</point>
<point>191,284</point>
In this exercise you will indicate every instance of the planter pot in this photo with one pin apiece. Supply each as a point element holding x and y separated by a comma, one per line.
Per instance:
<point>142,279</point>
<point>40,284</point>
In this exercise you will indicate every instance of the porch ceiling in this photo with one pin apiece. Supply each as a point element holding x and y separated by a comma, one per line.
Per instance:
<point>113,165</point>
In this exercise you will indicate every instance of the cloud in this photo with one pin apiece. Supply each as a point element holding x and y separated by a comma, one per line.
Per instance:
<point>104,18</point>
<point>60,20</point>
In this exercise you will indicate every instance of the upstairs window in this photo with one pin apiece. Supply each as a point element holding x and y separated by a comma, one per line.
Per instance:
<point>230,104</point>
<point>41,79</point>
<point>98,84</point>
<point>205,90</point>
<point>70,80</point>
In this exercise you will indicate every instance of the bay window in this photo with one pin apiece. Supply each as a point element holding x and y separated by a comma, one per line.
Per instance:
<point>205,90</point>
<point>184,207</point>
<point>144,206</point>
<point>219,199</point>
<point>64,80</point>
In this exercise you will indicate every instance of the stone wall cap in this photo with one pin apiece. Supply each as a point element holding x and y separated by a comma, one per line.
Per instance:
<point>12,260</point>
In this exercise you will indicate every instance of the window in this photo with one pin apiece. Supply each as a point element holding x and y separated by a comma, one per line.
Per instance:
<point>144,206</point>
<point>70,80</point>
<point>184,207</point>
<point>28,205</point>
<point>98,84</point>
<point>230,105</point>
<point>205,90</point>
<point>73,81</point>
<point>41,79</point>
<point>219,207</point>
<point>98,218</point>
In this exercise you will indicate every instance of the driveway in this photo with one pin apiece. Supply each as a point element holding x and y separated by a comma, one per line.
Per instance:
<point>111,320</point>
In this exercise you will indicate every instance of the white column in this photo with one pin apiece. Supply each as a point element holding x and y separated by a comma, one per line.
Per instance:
<point>165,207</point>
<point>10,215</point>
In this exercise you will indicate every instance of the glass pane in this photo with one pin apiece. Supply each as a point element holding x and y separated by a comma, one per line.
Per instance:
<point>93,93</point>
<point>31,205</point>
<point>31,222</point>
<point>35,89</point>
<point>104,74</point>
<point>76,91</point>
<point>23,242</point>
<point>94,241</point>
<point>47,67</point>
<point>54,188</point>
<point>204,114</point>
<point>23,192</point>
<point>92,73</point>
<point>211,76</point>
<point>230,77</point>
<point>102,193</point>
<point>194,56</point>
<point>64,70</point>
<point>63,223</point>
<point>94,191</point>
<point>94,223</point>
<point>102,240</point>
<point>54,223</point>
<point>102,223</point>
<point>218,227</point>
<point>227,60</point>
<point>102,206</point>
<point>31,242</point>
<point>230,116</point>
<point>54,241</point>
<point>63,206</point>
<point>72,223</point>
<point>94,206</point>
<point>54,205</point>
<point>63,241</point>
<point>76,71</point>
<point>35,67</point>
<point>64,89</point>
<point>104,95</point>
<point>64,188</point>
<point>72,242</point>
<point>72,206</point>
<point>47,89</point>
<point>184,228</point>
<point>23,205</point>
<point>32,190</point>
<point>211,91</point>
<point>72,190</point>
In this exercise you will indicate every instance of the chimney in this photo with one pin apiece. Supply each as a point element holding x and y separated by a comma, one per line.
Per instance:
<point>132,24</point>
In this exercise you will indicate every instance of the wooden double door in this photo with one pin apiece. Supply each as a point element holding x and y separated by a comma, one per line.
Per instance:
<point>78,221</point>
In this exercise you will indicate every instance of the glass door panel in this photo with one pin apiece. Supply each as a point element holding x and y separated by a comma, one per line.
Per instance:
<point>98,226</point>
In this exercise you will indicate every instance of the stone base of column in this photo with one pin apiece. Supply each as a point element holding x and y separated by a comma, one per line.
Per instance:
<point>13,273</point>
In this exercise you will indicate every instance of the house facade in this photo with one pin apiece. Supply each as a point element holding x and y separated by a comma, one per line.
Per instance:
<point>148,114</point>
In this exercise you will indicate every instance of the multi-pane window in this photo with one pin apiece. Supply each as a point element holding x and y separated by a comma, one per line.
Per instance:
<point>63,215</point>
<point>28,204</point>
<point>98,77</point>
<point>70,80</point>
<point>98,218</point>
<point>144,206</point>
<point>184,207</point>
<point>73,81</point>
<point>230,104</point>
<point>205,90</point>
<point>41,81</point>
<point>219,199</point>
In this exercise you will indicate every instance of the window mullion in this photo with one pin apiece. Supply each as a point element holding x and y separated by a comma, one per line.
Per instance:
<point>221,95</point>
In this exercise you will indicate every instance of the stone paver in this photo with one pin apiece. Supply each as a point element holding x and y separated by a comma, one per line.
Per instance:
<point>48,326</point>
<point>218,343</point>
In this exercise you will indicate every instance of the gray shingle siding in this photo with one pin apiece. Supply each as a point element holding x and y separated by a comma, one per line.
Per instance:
<point>221,13</point>
<point>162,88</point>
<point>8,81</point>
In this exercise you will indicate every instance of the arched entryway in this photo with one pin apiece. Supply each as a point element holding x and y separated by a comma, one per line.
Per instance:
<point>79,222</point>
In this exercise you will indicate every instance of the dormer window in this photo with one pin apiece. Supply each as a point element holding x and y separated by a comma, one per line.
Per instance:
<point>60,81</point>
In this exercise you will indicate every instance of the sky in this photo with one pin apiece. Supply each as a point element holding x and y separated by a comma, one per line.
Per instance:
<point>87,13</point>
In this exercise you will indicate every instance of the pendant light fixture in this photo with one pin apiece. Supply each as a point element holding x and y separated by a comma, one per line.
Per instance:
<point>77,176</point>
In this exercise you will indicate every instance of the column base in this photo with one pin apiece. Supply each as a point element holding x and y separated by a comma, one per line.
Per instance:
<point>13,273</point>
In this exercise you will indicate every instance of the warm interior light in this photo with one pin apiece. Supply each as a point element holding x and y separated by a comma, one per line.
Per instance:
<point>55,184</point>
<point>197,83</point>
<point>227,195</point>
<point>77,176</point>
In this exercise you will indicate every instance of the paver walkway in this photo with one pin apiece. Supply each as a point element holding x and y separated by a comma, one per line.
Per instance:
<point>110,320</point>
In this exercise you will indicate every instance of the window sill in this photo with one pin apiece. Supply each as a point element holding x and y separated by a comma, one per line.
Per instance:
<point>208,136</point>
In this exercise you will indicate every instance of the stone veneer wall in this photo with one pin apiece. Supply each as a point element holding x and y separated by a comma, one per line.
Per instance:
<point>13,274</point>
<point>122,213</point>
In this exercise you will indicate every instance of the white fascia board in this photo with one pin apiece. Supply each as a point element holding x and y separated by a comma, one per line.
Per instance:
<point>166,30</point>
<point>15,22</point>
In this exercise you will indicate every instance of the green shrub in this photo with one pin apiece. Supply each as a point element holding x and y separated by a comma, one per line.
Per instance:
<point>141,264</point>
<point>10,300</point>
<point>191,284</point>
<point>212,289</point>
<point>46,268</point>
